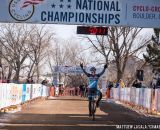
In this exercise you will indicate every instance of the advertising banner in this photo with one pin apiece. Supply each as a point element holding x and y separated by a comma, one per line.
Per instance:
<point>139,13</point>
<point>24,90</point>
<point>14,94</point>
<point>39,87</point>
<point>20,91</point>
<point>45,91</point>
<point>147,98</point>
<point>28,91</point>
<point>143,13</point>
<point>8,95</point>
<point>128,97</point>
<point>125,94</point>
<point>36,90</point>
<point>116,93</point>
<point>122,92</point>
<point>158,100</point>
<point>133,95</point>
<point>33,91</point>
<point>154,99</point>
<point>137,95</point>
<point>1,89</point>
<point>2,96</point>
<point>141,97</point>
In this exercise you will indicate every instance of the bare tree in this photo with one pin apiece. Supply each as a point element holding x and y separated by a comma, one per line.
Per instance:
<point>39,40</point>
<point>23,46</point>
<point>119,45</point>
<point>99,45</point>
<point>13,39</point>
<point>66,53</point>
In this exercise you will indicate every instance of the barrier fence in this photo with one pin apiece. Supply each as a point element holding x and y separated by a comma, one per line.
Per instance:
<point>144,97</point>
<point>14,94</point>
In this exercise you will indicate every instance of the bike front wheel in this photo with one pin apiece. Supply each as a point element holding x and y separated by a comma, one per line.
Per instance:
<point>93,110</point>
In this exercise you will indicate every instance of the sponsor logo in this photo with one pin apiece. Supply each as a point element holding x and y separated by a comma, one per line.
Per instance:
<point>22,10</point>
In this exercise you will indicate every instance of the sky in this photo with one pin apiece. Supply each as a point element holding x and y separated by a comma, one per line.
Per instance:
<point>65,31</point>
<point>69,31</point>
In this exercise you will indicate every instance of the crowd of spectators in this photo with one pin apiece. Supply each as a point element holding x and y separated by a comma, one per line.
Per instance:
<point>4,80</point>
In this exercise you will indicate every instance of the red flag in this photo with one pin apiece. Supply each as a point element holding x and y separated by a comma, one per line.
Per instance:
<point>31,2</point>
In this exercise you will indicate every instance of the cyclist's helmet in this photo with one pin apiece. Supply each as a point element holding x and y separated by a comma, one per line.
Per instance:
<point>92,69</point>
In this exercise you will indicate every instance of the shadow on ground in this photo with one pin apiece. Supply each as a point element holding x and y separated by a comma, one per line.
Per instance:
<point>121,115</point>
<point>54,122</point>
<point>112,116</point>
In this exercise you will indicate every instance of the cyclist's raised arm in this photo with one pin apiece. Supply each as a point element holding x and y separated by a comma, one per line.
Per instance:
<point>81,65</point>
<point>105,66</point>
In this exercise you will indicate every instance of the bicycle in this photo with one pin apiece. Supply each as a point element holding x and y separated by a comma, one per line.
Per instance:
<point>93,101</point>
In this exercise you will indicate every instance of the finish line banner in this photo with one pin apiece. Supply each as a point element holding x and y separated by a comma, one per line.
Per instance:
<point>136,13</point>
<point>73,69</point>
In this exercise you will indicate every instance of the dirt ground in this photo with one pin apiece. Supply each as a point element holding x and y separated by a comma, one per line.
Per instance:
<point>71,113</point>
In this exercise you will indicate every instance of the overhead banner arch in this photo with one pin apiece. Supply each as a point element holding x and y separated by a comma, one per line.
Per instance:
<point>73,69</point>
<point>136,13</point>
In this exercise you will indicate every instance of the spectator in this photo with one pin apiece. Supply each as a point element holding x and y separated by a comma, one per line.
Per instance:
<point>61,89</point>
<point>0,80</point>
<point>82,89</point>
<point>8,81</point>
<point>137,84</point>
<point>117,85</point>
<point>29,80</point>
<point>155,83</point>
<point>109,86</point>
<point>158,83</point>
<point>76,91</point>
<point>4,80</point>
<point>57,91</point>
<point>44,82</point>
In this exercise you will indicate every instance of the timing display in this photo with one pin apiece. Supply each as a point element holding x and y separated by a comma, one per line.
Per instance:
<point>92,30</point>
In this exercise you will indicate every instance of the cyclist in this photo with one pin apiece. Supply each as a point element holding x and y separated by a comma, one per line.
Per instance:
<point>93,83</point>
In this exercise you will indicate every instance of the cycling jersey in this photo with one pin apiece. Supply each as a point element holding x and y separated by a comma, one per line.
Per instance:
<point>93,79</point>
<point>92,87</point>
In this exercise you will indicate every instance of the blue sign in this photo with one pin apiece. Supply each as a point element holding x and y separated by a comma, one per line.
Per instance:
<point>24,93</point>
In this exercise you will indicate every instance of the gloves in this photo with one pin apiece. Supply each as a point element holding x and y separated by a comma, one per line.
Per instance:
<point>81,65</point>
<point>105,66</point>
